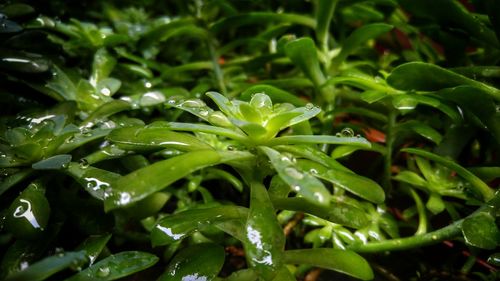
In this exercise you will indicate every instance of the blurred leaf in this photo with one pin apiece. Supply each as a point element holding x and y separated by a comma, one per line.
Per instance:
<point>43,269</point>
<point>358,37</point>
<point>419,76</point>
<point>53,163</point>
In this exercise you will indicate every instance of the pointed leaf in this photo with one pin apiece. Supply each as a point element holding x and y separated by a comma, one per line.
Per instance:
<point>45,268</point>
<point>300,181</point>
<point>343,261</point>
<point>116,266</point>
<point>178,226</point>
<point>481,231</point>
<point>196,262</point>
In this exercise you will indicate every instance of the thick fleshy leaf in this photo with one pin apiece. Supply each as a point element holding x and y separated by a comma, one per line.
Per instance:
<point>306,139</point>
<point>53,163</point>
<point>359,37</point>
<point>358,185</point>
<point>149,138</point>
<point>116,266</point>
<point>196,262</point>
<point>339,213</point>
<point>105,111</point>
<point>43,269</point>
<point>481,231</point>
<point>264,239</point>
<point>148,180</point>
<point>410,101</point>
<point>302,52</point>
<point>95,181</point>
<point>93,246</point>
<point>343,261</point>
<point>422,129</point>
<point>477,185</point>
<point>178,226</point>
<point>419,76</point>
<point>300,181</point>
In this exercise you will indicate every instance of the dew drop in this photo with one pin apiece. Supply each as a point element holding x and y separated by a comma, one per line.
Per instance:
<point>103,271</point>
<point>309,106</point>
<point>203,112</point>
<point>106,91</point>
<point>338,135</point>
<point>347,133</point>
<point>84,164</point>
<point>313,171</point>
<point>193,103</point>
<point>294,173</point>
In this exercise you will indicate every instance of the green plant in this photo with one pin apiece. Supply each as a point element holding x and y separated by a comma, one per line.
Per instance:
<point>229,140</point>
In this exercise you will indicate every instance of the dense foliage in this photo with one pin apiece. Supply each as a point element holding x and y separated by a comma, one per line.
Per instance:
<point>250,140</point>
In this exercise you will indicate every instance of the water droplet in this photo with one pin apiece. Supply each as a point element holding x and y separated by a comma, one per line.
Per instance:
<point>152,98</point>
<point>70,139</point>
<point>124,198</point>
<point>106,91</point>
<point>358,136</point>
<point>294,173</point>
<point>103,271</point>
<point>84,164</point>
<point>338,135</point>
<point>347,133</point>
<point>231,147</point>
<point>313,171</point>
<point>203,112</point>
<point>309,106</point>
<point>219,119</point>
<point>193,103</point>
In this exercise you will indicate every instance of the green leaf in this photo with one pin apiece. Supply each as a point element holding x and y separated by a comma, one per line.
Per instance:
<point>302,52</point>
<point>420,76</point>
<point>343,261</point>
<point>116,266</point>
<point>480,187</point>
<point>411,178</point>
<point>178,226</point>
<point>264,239</point>
<point>150,138</point>
<point>339,213</point>
<point>93,246</point>
<point>358,185</point>
<point>197,262</point>
<point>95,181</point>
<point>104,111</point>
<point>300,181</point>
<point>148,180</point>
<point>410,101</point>
<point>102,66</point>
<point>422,129</point>
<point>324,14</point>
<point>45,268</point>
<point>481,231</point>
<point>358,37</point>
<point>306,139</point>
<point>53,163</point>
<point>262,18</point>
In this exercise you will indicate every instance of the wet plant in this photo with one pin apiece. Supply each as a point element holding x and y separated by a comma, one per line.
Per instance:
<point>229,140</point>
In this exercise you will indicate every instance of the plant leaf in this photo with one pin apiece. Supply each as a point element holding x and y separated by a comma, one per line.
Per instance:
<point>481,231</point>
<point>116,266</point>
<point>197,262</point>
<point>347,262</point>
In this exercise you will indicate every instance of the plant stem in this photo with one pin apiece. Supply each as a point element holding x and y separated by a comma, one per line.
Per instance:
<point>389,142</point>
<point>399,244</point>
<point>217,69</point>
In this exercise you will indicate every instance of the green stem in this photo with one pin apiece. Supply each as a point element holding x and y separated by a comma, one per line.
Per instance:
<point>389,142</point>
<point>417,241</point>
<point>219,75</point>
